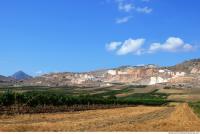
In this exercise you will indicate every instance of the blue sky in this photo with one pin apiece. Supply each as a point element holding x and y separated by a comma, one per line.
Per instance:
<point>40,36</point>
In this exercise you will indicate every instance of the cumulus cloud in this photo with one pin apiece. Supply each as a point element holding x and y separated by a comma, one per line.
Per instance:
<point>131,46</point>
<point>113,46</point>
<point>123,20</point>
<point>135,46</point>
<point>172,44</point>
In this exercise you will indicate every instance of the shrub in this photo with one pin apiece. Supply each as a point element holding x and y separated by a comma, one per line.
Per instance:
<point>167,87</point>
<point>8,98</point>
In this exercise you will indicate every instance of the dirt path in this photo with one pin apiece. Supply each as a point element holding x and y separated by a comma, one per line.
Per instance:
<point>180,118</point>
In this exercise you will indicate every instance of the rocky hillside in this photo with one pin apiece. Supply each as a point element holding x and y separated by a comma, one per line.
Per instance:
<point>190,66</point>
<point>186,73</point>
<point>6,81</point>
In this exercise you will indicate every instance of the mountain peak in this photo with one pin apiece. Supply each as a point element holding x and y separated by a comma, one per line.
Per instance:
<point>20,75</point>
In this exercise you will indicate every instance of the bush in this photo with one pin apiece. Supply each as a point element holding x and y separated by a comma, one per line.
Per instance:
<point>8,98</point>
<point>112,97</point>
<point>167,87</point>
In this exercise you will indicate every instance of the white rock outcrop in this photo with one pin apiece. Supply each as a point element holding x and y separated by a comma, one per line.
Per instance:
<point>112,72</point>
<point>156,80</point>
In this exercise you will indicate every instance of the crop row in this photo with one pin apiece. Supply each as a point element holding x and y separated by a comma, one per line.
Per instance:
<point>42,98</point>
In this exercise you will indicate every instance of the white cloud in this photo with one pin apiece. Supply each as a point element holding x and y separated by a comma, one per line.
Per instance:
<point>123,20</point>
<point>131,46</point>
<point>129,7</point>
<point>113,46</point>
<point>125,6</point>
<point>134,46</point>
<point>146,10</point>
<point>172,44</point>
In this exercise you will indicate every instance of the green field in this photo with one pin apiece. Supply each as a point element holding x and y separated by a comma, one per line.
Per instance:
<point>69,96</point>
<point>196,107</point>
<point>84,98</point>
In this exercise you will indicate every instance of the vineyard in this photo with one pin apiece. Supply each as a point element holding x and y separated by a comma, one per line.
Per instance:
<point>47,100</point>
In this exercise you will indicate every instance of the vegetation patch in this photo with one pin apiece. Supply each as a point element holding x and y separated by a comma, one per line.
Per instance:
<point>137,86</point>
<point>43,98</point>
<point>115,92</point>
<point>196,107</point>
<point>167,87</point>
<point>151,95</point>
<point>67,99</point>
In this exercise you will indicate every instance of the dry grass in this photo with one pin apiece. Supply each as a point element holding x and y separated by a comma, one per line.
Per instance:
<point>136,91</point>
<point>181,119</point>
<point>172,91</point>
<point>142,118</point>
<point>185,97</point>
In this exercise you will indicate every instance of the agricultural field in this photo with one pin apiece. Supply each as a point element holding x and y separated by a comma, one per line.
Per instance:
<point>37,99</point>
<point>140,118</point>
<point>114,108</point>
<point>182,95</point>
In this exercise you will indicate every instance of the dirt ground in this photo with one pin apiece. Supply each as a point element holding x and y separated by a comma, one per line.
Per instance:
<point>141,118</point>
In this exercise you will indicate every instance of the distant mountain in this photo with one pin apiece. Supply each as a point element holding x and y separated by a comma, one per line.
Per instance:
<point>20,75</point>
